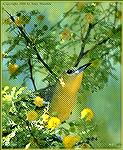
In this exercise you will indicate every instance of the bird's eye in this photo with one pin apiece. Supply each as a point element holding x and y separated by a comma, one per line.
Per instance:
<point>70,71</point>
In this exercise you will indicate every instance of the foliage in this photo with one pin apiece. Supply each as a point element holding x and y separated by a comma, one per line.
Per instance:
<point>22,121</point>
<point>88,32</point>
<point>98,39</point>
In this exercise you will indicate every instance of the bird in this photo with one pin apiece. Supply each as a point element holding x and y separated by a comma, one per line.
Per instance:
<point>65,93</point>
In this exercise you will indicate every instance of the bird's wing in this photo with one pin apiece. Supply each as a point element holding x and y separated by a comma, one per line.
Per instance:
<point>46,93</point>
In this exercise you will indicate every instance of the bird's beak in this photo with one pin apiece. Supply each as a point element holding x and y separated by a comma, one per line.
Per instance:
<point>82,68</point>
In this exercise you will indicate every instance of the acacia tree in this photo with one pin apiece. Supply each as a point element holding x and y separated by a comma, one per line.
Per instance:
<point>88,32</point>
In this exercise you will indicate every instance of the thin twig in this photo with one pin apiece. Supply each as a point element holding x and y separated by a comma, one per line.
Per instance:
<point>36,141</point>
<point>31,73</point>
<point>101,42</point>
<point>103,17</point>
<point>69,43</point>
<point>91,26</point>
<point>30,43</point>
<point>95,46</point>
<point>83,45</point>
<point>27,123</point>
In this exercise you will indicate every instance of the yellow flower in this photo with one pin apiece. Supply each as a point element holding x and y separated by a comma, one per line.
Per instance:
<point>118,14</point>
<point>13,68</point>
<point>38,101</point>
<point>62,82</point>
<point>40,17</point>
<point>70,140</point>
<point>45,118</point>
<point>89,17</point>
<point>87,113</point>
<point>18,21</point>
<point>7,21</point>
<point>53,123</point>
<point>80,5</point>
<point>66,34</point>
<point>32,115</point>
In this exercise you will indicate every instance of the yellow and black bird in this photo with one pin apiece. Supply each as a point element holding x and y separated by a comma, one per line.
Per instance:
<point>65,93</point>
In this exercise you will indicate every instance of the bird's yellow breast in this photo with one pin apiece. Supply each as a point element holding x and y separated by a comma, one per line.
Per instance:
<point>64,97</point>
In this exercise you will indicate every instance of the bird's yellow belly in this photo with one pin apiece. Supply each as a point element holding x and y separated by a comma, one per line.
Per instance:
<point>63,104</point>
<point>65,95</point>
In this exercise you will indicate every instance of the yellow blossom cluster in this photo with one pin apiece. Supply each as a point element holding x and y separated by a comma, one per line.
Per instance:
<point>80,6</point>
<point>7,21</point>
<point>89,17</point>
<point>118,14</point>
<point>69,141</point>
<point>13,68</point>
<point>65,34</point>
<point>19,21</point>
<point>40,17</point>
<point>87,113</point>
<point>53,123</point>
<point>38,101</point>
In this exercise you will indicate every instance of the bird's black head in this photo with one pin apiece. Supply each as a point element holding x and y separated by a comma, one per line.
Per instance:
<point>70,71</point>
<point>79,70</point>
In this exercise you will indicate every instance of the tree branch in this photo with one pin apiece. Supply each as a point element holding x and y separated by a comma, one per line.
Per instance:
<point>31,73</point>
<point>83,45</point>
<point>102,41</point>
<point>29,128</point>
<point>95,46</point>
<point>33,46</point>
<point>27,123</point>
<point>69,43</point>
<point>107,15</point>
<point>91,26</point>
